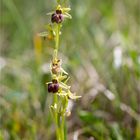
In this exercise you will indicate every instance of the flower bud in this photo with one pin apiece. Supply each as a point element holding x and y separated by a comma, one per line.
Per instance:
<point>56,67</point>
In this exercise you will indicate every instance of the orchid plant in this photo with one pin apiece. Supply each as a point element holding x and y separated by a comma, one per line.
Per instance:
<point>58,86</point>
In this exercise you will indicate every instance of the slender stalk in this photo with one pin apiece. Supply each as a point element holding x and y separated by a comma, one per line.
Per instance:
<point>55,100</point>
<point>63,126</point>
<point>57,38</point>
<point>58,121</point>
<point>64,106</point>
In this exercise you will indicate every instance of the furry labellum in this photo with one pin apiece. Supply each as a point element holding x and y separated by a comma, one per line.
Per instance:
<point>57,17</point>
<point>53,87</point>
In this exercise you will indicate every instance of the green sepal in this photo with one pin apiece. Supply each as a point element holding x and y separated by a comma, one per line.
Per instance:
<point>66,80</point>
<point>43,34</point>
<point>67,15</point>
<point>64,86</point>
<point>50,13</point>
<point>73,96</point>
<point>64,71</point>
<point>66,9</point>
<point>60,78</point>
<point>62,93</point>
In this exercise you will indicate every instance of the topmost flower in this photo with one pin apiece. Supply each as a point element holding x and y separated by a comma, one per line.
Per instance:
<point>57,17</point>
<point>59,14</point>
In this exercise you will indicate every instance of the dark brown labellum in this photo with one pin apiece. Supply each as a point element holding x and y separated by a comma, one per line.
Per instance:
<point>57,18</point>
<point>53,87</point>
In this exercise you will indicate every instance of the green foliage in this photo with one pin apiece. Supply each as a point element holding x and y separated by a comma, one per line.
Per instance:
<point>109,108</point>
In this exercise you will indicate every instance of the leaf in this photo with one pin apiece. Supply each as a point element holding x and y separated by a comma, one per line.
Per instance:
<point>137,131</point>
<point>116,131</point>
<point>87,117</point>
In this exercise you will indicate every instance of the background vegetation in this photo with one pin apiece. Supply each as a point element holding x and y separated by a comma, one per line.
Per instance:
<point>100,47</point>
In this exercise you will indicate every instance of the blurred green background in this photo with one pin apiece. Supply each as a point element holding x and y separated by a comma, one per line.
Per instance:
<point>100,48</point>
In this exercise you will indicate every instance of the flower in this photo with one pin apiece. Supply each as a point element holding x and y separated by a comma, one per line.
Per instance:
<point>53,86</point>
<point>59,14</point>
<point>57,17</point>
<point>56,66</point>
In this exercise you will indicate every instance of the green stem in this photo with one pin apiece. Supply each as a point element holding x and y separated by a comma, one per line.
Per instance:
<point>55,101</point>
<point>64,106</point>
<point>57,38</point>
<point>63,126</point>
<point>59,118</point>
